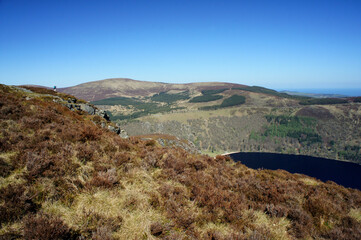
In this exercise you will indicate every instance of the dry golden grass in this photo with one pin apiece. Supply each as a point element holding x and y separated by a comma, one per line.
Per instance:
<point>277,226</point>
<point>14,227</point>
<point>7,155</point>
<point>16,177</point>
<point>221,228</point>
<point>129,205</point>
<point>310,181</point>
<point>356,214</point>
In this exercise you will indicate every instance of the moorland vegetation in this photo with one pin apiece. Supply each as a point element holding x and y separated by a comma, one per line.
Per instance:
<point>64,176</point>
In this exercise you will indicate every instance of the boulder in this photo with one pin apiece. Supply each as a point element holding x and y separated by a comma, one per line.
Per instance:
<point>87,108</point>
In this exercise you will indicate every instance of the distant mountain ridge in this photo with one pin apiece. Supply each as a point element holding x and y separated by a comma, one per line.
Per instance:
<point>125,87</point>
<point>314,95</point>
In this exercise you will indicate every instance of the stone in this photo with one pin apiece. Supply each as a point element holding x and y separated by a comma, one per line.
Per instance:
<point>123,134</point>
<point>87,108</point>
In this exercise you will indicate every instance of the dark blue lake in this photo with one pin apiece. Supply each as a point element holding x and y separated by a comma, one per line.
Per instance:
<point>344,173</point>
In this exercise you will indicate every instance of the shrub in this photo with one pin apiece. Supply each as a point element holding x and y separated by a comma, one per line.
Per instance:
<point>36,164</point>
<point>46,227</point>
<point>5,168</point>
<point>213,91</point>
<point>31,122</point>
<point>170,98</point>
<point>157,229</point>
<point>351,152</point>
<point>84,153</point>
<point>16,203</point>
<point>301,223</point>
<point>275,211</point>
<point>234,100</point>
<point>122,144</point>
<point>102,233</point>
<point>89,133</point>
<point>205,98</point>
<point>209,108</point>
<point>258,89</point>
<point>301,128</point>
<point>105,179</point>
<point>98,225</point>
<point>121,158</point>
<point>357,99</point>
<point>323,101</point>
<point>98,119</point>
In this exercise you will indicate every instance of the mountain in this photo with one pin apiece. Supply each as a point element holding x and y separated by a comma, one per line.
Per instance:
<point>226,117</point>
<point>65,174</point>
<point>125,87</point>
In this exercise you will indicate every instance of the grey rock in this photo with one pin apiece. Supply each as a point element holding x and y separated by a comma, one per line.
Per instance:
<point>103,114</point>
<point>72,100</point>
<point>87,108</point>
<point>123,134</point>
<point>21,89</point>
<point>114,129</point>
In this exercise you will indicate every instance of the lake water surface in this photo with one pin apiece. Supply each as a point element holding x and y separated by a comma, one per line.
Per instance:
<point>343,173</point>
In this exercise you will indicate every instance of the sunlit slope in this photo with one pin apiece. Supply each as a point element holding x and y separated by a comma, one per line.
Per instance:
<point>63,176</point>
<point>125,87</point>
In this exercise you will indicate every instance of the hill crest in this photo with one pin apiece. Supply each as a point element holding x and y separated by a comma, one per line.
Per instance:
<point>126,87</point>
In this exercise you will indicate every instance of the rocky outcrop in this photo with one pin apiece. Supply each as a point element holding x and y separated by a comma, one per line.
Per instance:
<point>121,132</point>
<point>90,109</point>
<point>86,107</point>
<point>75,105</point>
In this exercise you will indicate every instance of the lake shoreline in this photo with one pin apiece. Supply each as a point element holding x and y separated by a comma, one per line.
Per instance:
<point>344,173</point>
<point>292,154</point>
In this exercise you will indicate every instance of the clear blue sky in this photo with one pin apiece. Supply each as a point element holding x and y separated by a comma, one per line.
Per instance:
<point>276,44</point>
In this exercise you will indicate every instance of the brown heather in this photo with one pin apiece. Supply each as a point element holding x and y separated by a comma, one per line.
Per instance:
<point>64,177</point>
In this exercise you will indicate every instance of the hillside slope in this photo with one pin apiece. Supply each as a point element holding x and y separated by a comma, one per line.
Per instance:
<point>226,117</point>
<point>330,131</point>
<point>63,176</point>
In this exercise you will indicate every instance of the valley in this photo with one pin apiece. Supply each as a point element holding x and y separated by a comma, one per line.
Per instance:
<point>226,117</point>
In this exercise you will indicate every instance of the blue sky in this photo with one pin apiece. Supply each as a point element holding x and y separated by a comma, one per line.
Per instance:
<point>275,44</point>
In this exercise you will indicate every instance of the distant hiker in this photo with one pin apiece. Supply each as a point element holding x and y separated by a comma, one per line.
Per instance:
<point>55,88</point>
